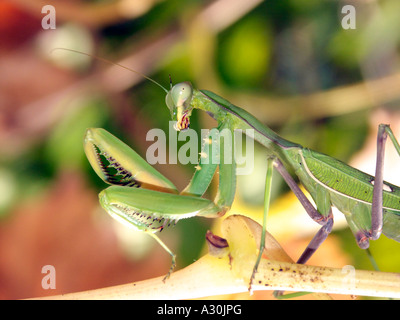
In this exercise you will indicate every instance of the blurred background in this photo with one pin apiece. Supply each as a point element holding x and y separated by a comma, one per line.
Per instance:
<point>291,63</point>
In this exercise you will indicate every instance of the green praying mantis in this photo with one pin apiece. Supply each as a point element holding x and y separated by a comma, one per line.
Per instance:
<point>144,199</point>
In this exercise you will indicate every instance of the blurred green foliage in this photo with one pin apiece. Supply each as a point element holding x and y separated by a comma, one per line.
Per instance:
<point>248,51</point>
<point>63,147</point>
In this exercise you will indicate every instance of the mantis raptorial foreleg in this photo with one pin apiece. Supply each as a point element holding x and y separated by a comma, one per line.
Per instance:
<point>144,199</point>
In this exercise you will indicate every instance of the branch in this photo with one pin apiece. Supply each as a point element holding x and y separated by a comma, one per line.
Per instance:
<point>211,275</point>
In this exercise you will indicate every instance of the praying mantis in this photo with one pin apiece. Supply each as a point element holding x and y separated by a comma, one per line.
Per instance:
<point>144,199</point>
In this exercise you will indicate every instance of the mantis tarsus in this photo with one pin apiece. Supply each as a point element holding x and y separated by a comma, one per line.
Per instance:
<point>147,201</point>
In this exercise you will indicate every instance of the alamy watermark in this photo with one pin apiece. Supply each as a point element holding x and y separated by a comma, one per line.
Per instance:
<point>49,20</point>
<point>349,279</point>
<point>209,152</point>
<point>349,18</point>
<point>49,280</point>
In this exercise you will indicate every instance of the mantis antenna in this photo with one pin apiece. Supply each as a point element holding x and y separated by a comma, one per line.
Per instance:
<point>112,63</point>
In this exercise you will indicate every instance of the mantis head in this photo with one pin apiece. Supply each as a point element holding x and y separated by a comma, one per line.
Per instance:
<point>178,100</point>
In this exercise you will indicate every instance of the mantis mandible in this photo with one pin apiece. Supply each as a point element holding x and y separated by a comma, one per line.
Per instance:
<point>143,198</point>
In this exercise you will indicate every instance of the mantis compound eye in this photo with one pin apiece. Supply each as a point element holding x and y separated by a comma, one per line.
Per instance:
<point>181,94</point>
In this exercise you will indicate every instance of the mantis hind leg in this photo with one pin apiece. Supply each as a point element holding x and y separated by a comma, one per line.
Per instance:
<point>324,218</point>
<point>377,206</point>
<point>384,131</point>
